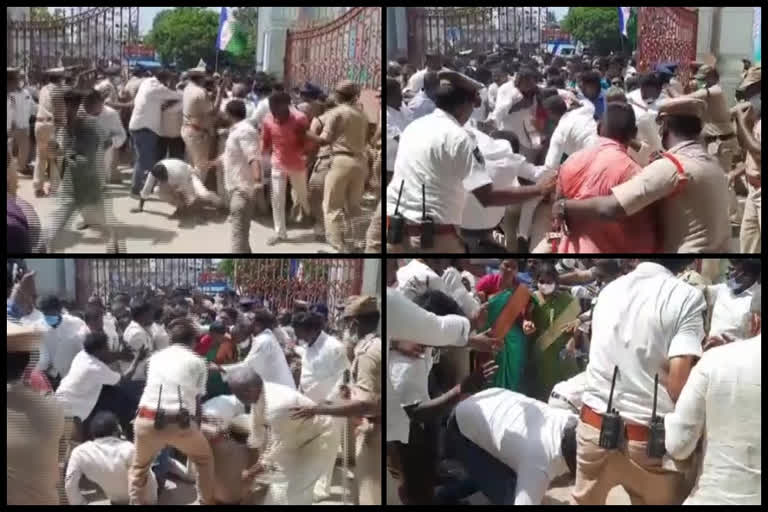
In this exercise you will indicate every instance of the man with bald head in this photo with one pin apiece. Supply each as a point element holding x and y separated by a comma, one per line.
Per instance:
<point>296,451</point>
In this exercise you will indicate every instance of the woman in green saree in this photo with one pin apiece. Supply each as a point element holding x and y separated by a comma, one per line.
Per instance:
<point>554,311</point>
<point>509,318</point>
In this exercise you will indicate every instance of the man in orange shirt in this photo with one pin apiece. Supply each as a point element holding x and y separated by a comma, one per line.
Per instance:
<point>593,172</point>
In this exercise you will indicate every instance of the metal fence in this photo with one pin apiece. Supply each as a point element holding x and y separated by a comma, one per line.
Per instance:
<point>348,47</point>
<point>89,36</point>
<point>449,30</point>
<point>280,282</point>
<point>107,277</point>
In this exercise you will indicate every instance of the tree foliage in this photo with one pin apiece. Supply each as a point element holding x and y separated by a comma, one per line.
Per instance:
<point>184,35</point>
<point>597,27</point>
<point>43,14</point>
<point>227,267</point>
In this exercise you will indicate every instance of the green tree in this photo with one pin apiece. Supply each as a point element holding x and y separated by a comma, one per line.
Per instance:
<point>184,35</point>
<point>227,267</point>
<point>43,14</point>
<point>597,27</point>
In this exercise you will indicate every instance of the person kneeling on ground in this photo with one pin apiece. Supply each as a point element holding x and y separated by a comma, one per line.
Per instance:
<point>178,185</point>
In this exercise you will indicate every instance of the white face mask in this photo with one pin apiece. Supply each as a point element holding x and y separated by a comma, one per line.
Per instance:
<point>547,289</point>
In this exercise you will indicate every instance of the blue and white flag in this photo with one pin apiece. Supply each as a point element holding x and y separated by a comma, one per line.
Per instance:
<point>230,37</point>
<point>623,20</point>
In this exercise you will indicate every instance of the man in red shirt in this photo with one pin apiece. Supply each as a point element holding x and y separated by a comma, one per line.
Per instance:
<point>283,136</point>
<point>593,172</point>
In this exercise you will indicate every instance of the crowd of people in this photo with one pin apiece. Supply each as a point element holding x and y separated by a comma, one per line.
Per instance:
<point>258,401</point>
<point>510,377</point>
<point>501,152</point>
<point>203,141</point>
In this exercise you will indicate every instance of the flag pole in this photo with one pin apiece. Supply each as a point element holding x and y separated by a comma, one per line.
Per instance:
<point>216,66</point>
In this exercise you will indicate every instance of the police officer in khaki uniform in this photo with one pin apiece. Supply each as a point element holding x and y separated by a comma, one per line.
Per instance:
<point>199,115</point>
<point>35,424</point>
<point>361,315</point>
<point>373,235</point>
<point>686,184</point>
<point>346,131</point>
<point>719,137</point>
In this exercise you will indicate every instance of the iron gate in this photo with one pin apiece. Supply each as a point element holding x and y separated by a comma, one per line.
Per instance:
<point>107,277</point>
<point>282,281</point>
<point>448,30</point>
<point>348,47</point>
<point>666,34</point>
<point>89,36</point>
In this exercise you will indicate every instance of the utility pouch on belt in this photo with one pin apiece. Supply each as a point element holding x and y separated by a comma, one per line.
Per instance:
<point>656,446</point>
<point>160,419</point>
<point>427,224</point>
<point>184,416</point>
<point>396,221</point>
<point>612,425</point>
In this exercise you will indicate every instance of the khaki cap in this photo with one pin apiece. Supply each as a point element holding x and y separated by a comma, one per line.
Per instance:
<point>683,106</point>
<point>703,71</point>
<point>753,77</point>
<point>21,338</point>
<point>360,305</point>
<point>459,80</point>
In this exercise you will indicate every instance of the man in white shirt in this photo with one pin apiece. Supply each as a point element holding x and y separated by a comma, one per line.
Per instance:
<point>323,366</point>
<point>265,354</point>
<point>511,445</point>
<point>504,165</point>
<point>645,101</point>
<point>575,130</point>
<point>145,125</point>
<point>644,323</point>
<point>731,300</point>
<point>176,379</point>
<point>179,185</point>
<point>110,120</point>
<point>22,110</point>
<point>105,461</point>
<point>500,77</point>
<point>416,82</point>
<point>138,334</point>
<point>296,452</point>
<point>515,110</point>
<point>723,394</point>
<point>242,172</point>
<point>434,168</point>
<point>398,117</point>
<point>62,339</point>
<point>424,101</point>
<point>171,145</point>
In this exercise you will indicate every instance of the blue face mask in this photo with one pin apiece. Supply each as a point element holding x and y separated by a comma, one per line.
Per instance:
<point>53,320</point>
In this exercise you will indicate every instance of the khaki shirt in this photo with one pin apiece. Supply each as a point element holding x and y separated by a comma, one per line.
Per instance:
<point>751,166</point>
<point>366,369</point>
<point>347,128</point>
<point>34,425</point>
<point>197,108</point>
<point>316,126</point>
<point>717,118</point>
<point>694,219</point>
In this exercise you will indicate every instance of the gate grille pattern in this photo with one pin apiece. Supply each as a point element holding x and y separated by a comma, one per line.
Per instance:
<point>666,34</point>
<point>282,281</point>
<point>89,36</point>
<point>348,47</point>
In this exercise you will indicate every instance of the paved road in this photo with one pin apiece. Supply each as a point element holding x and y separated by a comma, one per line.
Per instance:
<point>153,231</point>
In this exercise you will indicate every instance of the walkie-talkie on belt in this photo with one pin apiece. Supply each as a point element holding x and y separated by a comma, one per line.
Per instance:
<point>656,446</point>
<point>612,426</point>
<point>396,221</point>
<point>427,224</point>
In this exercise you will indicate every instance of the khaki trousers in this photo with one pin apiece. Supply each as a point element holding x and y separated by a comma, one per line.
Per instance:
<point>450,243</point>
<point>368,467</point>
<point>344,187</point>
<point>648,481</point>
<point>725,152</point>
<point>44,158</point>
<point>373,235</point>
<point>150,441</point>
<point>21,142</point>
<point>750,235</point>
<point>198,144</point>
<point>230,459</point>
<point>240,214</point>
<point>317,191</point>
<point>542,223</point>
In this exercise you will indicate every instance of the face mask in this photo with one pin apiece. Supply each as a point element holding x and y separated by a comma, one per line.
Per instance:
<point>755,102</point>
<point>53,320</point>
<point>547,288</point>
